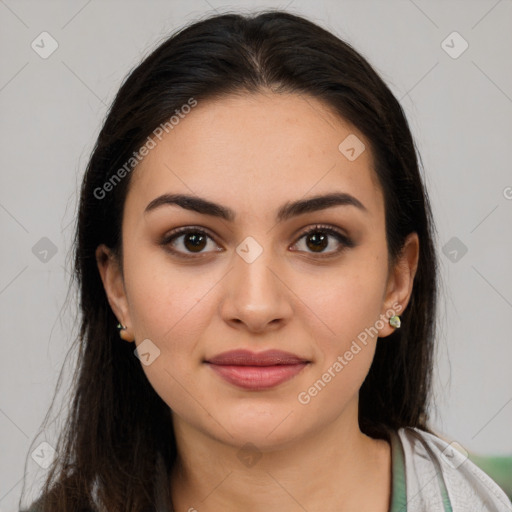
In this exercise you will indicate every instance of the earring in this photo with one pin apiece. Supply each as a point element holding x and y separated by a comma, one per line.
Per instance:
<point>394,321</point>
<point>122,334</point>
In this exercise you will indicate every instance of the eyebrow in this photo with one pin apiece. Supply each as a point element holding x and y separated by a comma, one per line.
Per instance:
<point>287,211</point>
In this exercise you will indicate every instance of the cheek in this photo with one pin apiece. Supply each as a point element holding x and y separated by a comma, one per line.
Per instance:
<point>348,301</point>
<point>170,305</point>
<point>164,298</point>
<point>344,358</point>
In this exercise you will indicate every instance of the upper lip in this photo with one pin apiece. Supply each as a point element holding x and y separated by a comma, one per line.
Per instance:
<point>248,358</point>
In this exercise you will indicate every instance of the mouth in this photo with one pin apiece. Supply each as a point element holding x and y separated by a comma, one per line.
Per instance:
<point>257,371</point>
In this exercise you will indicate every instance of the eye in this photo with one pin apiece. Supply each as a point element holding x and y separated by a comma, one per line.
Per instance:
<point>317,239</point>
<point>194,240</point>
<point>185,242</point>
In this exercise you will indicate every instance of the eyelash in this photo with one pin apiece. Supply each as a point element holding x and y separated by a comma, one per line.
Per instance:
<point>345,242</point>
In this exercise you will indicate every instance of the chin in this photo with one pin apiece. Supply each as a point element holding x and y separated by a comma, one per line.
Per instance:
<point>266,427</point>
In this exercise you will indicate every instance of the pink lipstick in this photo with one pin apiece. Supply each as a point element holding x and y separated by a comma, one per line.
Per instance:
<point>257,371</point>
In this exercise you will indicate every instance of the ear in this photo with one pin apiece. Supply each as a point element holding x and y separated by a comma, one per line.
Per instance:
<point>400,283</point>
<point>113,283</point>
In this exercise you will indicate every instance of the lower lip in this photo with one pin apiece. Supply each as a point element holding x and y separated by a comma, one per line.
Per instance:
<point>257,377</point>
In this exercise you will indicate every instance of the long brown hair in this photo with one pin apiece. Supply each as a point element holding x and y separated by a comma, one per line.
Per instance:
<point>119,431</point>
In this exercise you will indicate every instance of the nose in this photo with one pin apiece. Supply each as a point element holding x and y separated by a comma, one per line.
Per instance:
<point>255,297</point>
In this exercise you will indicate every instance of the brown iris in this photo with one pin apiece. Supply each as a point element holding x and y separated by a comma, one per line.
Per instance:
<point>320,241</point>
<point>194,242</point>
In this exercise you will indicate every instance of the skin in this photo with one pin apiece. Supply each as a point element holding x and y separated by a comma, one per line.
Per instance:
<point>253,153</point>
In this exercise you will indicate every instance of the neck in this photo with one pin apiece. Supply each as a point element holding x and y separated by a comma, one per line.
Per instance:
<point>331,469</point>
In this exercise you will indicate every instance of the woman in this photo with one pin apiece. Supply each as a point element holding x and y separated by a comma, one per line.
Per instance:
<point>254,226</point>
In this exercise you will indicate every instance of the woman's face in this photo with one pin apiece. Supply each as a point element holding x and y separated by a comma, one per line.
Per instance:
<point>252,280</point>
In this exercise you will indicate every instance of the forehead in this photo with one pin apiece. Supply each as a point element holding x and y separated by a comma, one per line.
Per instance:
<point>254,152</point>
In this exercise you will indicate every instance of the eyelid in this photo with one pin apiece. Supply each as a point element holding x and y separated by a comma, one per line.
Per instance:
<point>185,229</point>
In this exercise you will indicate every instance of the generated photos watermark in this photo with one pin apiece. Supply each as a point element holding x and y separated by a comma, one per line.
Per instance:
<point>304,397</point>
<point>151,143</point>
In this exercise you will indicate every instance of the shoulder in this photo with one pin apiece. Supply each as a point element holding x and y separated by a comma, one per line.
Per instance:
<point>438,472</point>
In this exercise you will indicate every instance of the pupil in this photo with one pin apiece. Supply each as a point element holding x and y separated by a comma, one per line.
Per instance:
<point>196,241</point>
<point>319,242</point>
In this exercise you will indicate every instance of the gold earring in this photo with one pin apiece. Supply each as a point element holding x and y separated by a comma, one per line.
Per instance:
<point>394,321</point>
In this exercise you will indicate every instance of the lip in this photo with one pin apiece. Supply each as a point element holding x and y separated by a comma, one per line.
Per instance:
<point>248,358</point>
<point>257,371</point>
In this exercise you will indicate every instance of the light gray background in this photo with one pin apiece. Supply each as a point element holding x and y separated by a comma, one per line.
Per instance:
<point>460,111</point>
